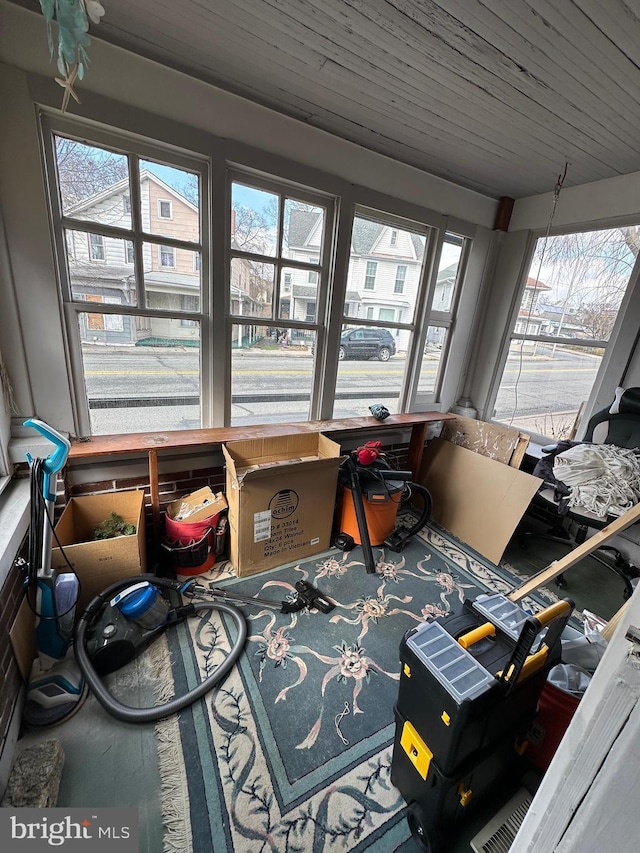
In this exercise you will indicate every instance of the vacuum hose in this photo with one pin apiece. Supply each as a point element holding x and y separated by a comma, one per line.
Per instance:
<point>130,714</point>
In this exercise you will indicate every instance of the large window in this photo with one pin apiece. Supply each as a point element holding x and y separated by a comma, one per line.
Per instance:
<point>277,287</point>
<point>285,319</point>
<point>562,328</point>
<point>378,326</point>
<point>135,353</point>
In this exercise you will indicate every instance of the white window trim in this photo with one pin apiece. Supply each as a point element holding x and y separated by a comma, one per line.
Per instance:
<point>162,201</point>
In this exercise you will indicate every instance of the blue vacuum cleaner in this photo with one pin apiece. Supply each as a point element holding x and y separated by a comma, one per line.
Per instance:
<point>56,686</point>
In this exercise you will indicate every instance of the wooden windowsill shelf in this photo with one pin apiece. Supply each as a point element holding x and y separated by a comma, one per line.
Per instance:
<point>151,442</point>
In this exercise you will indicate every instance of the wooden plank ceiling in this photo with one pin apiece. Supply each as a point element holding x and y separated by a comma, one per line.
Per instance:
<point>495,95</point>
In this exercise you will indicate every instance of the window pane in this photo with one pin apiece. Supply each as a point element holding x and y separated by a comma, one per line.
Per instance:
<point>271,374</point>
<point>298,298</point>
<point>573,293</point>
<point>384,271</point>
<point>303,231</point>
<point>371,369</point>
<point>99,268</point>
<point>254,220</point>
<point>169,274</point>
<point>431,359</point>
<point>143,379</point>
<point>94,183</point>
<point>252,288</point>
<point>447,275</point>
<point>544,385</point>
<point>577,291</point>
<point>169,201</point>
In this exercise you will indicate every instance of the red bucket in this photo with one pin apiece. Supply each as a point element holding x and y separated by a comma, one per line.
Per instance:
<point>556,707</point>
<point>191,544</point>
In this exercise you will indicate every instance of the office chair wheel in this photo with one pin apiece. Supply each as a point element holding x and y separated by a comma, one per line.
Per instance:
<point>561,582</point>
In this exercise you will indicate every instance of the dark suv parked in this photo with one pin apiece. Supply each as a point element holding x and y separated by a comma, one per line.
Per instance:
<point>367,343</point>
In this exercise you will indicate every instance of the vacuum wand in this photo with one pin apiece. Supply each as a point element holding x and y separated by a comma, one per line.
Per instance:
<point>306,596</point>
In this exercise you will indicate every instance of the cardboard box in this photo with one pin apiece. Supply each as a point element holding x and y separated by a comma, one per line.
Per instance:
<point>281,493</point>
<point>479,500</point>
<point>197,506</point>
<point>101,562</point>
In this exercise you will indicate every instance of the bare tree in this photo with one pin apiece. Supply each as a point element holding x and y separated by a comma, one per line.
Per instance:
<point>589,273</point>
<point>85,170</point>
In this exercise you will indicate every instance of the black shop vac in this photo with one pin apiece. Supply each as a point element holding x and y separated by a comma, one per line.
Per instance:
<point>370,496</point>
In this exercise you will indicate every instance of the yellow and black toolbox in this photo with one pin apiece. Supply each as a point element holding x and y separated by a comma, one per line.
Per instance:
<point>469,687</point>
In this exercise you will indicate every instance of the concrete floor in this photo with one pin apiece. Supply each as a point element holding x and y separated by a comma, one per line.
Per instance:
<point>111,763</point>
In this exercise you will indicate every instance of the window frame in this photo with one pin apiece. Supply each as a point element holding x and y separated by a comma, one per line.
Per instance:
<point>162,201</point>
<point>135,148</point>
<point>399,283</point>
<point>162,250</point>
<point>127,244</point>
<point>280,261</point>
<point>370,276</point>
<point>621,340</point>
<point>101,244</point>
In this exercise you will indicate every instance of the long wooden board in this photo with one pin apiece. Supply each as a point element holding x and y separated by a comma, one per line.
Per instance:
<point>558,566</point>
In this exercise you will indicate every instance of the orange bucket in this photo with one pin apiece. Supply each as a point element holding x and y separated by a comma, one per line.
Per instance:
<point>381,516</point>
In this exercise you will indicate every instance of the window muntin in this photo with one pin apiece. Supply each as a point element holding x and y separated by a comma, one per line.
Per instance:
<point>132,272</point>
<point>570,303</point>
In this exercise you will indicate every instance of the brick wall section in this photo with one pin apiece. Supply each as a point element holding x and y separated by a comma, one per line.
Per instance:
<point>10,677</point>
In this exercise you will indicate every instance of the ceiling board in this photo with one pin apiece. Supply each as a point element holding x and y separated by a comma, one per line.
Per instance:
<point>495,95</point>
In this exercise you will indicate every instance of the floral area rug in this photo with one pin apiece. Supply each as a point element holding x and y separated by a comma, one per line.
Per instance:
<point>291,753</point>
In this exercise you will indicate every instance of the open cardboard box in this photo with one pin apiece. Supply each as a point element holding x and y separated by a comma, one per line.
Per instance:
<point>197,506</point>
<point>281,493</point>
<point>99,563</point>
